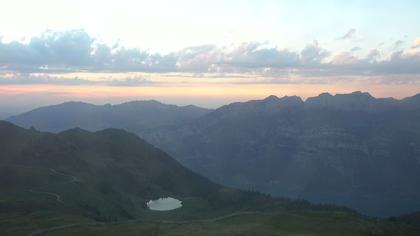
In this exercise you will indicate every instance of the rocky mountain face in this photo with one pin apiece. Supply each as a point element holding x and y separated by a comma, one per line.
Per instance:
<point>350,149</point>
<point>135,116</point>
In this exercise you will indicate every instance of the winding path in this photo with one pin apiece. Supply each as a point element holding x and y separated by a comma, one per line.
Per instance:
<point>72,178</point>
<point>56,195</point>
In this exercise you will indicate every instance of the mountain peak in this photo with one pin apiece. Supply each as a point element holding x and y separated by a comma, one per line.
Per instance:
<point>361,94</point>
<point>74,103</point>
<point>144,102</point>
<point>75,131</point>
<point>286,100</point>
<point>325,95</point>
<point>271,98</point>
<point>135,116</point>
<point>295,99</point>
<point>351,101</point>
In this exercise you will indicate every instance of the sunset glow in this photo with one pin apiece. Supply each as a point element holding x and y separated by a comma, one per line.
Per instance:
<point>208,54</point>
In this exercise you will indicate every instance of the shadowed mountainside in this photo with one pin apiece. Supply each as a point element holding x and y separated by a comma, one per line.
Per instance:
<point>350,149</point>
<point>135,116</point>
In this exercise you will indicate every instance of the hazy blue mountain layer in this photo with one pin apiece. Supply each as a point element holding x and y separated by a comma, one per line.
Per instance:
<point>350,149</point>
<point>135,116</point>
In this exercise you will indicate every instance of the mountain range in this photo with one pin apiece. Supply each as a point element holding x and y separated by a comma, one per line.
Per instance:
<point>135,116</point>
<point>348,149</point>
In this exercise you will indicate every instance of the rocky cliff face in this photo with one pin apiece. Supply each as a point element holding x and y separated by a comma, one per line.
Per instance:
<point>350,149</point>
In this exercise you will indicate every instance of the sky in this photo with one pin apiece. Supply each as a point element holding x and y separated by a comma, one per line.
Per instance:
<point>207,53</point>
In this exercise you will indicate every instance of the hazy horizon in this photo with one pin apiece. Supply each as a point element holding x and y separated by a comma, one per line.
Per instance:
<point>207,54</point>
<point>14,110</point>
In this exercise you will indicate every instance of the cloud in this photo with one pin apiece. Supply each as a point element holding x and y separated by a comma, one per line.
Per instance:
<point>257,55</point>
<point>239,58</point>
<point>75,50</point>
<point>350,34</point>
<point>129,82</point>
<point>400,63</point>
<point>313,54</point>
<point>373,55</point>
<point>343,58</point>
<point>30,79</point>
<point>416,43</point>
<point>198,58</point>
<point>398,44</point>
<point>70,48</point>
<point>26,79</point>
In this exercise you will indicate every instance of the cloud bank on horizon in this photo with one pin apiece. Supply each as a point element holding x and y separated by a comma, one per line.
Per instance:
<point>76,51</point>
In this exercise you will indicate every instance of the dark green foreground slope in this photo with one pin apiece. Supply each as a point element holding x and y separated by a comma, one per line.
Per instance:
<point>288,223</point>
<point>78,177</point>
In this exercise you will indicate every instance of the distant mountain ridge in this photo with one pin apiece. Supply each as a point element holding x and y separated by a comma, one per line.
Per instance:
<point>147,115</point>
<point>135,116</point>
<point>361,101</point>
<point>350,149</point>
<point>352,101</point>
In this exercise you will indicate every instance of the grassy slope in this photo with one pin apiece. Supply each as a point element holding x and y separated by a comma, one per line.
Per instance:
<point>258,224</point>
<point>411,218</point>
